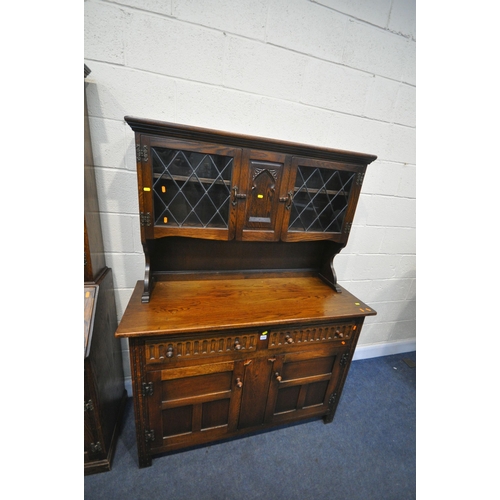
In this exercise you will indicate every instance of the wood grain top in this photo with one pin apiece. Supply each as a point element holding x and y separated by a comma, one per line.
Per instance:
<point>197,306</point>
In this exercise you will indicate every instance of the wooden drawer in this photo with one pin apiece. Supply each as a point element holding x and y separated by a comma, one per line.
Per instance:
<point>333,333</point>
<point>186,348</point>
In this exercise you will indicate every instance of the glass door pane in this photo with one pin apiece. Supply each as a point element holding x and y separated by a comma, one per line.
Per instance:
<point>320,199</point>
<point>190,188</point>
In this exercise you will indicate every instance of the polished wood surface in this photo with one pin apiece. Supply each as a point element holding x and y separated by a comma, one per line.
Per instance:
<point>185,256</point>
<point>239,324</point>
<point>196,306</point>
<point>201,184</point>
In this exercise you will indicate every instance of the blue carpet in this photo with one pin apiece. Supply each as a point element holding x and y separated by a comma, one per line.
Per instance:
<point>366,453</point>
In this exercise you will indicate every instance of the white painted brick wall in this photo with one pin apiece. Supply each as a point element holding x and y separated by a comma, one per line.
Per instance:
<point>307,28</point>
<point>334,87</point>
<point>280,72</point>
<point>242,17</point>
<point>335,73</point>
<point>166,46</point>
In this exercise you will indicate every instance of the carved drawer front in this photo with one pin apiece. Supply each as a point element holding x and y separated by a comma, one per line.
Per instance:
<point>337,333</point>
<point>165,350</point>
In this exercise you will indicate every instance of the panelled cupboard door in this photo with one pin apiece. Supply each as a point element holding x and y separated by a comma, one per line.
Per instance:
<point>302,383</point>
<point>261,195</point>
<point>185,188</point>
<point>323,196</point>
<point>194,404</point>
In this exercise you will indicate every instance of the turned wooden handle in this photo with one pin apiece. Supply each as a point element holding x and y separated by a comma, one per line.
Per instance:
<point>239,383</point>
<point>278,376</point>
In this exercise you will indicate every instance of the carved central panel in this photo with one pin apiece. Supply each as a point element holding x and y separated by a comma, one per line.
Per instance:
<point>263,195</point>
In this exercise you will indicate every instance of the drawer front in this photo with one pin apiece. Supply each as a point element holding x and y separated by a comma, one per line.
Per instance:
<point>333,333</point>
<point>192,348</point>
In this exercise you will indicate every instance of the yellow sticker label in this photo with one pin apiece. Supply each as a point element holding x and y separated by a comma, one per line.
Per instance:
<point>260,196</point>
<point>146,189</point>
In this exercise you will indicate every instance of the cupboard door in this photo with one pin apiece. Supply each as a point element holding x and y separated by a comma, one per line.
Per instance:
<point>302,384</point>
<point>261,195</point>
<point>253,403</point>
<point>194,404</point>
<point>185,188</point>
<point>324,200</point>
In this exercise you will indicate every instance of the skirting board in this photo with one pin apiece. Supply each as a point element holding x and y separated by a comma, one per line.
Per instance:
<point>385,349</point>
<point>362,352</point>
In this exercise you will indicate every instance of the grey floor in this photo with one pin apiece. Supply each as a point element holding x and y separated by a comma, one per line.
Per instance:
<point>367,452</point>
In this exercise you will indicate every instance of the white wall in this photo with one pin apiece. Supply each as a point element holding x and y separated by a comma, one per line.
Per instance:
<point>335,73</point>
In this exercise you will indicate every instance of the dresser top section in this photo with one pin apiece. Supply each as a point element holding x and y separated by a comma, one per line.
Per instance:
<point>160,128</point>
<point>225,304</point>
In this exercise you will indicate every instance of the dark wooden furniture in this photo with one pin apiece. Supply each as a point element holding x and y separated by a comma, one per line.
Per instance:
<point>239,324</point>
<point>104,389</point>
